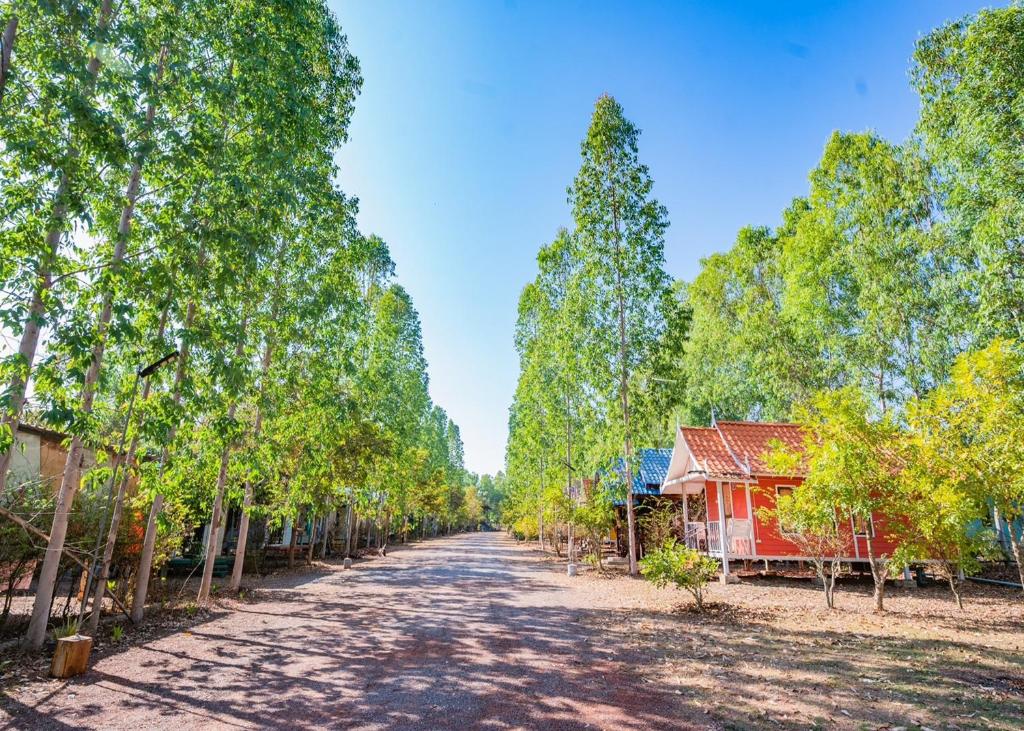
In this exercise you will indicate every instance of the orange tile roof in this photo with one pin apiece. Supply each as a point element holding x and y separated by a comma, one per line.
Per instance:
<point>710,453</point>
<point>750,441</point>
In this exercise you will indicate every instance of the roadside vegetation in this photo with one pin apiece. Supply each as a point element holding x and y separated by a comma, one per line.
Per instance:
<point>883,314</point>
<point>167,180</point>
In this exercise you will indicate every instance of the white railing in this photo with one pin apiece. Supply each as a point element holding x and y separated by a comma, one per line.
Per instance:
<point>696,536</point>
<point>739,537</point>
<point>715,537</point>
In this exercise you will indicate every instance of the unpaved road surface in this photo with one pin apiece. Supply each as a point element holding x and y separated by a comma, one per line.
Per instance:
<point>466,632</point>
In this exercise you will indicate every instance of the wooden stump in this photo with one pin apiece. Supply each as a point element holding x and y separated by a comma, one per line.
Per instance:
<point>71,657</point>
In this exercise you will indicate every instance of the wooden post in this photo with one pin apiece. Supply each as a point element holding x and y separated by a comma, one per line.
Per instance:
<point>71,657</point>
<point>723,538</point>
<point>753,524</point>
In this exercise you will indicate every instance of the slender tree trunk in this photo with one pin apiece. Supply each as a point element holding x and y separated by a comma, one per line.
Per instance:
<point>323,539</point>
<point>29,341</point>
<point>1016,548</point>
<point>954,586</point>
<point>312,537</point>
<point>628,457</point>
<point>5,52</point>
<point>30,334</point>
<point>291,544</point>
<point>72,469</point>
<point>243,523</point>
<point>878,574</point>
<point>115,518</point>
<point>218,501</point>
<point>149,539</point>
<point>571,553</point>
<point>348,529</point>
<point>624,390</point>
<point>69,484</point>
<point>216,519</point>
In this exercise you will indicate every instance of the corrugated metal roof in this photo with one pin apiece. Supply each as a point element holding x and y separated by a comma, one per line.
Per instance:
<point>650,468</point>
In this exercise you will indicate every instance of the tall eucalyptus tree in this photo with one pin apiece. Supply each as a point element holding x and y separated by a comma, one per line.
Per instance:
<point>620,229</point>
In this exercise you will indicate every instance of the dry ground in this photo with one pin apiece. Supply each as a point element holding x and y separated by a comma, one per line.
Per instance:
<point>768,654</point>
<point>476,631</point>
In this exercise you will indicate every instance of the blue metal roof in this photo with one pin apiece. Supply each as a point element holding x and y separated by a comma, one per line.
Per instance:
<point>651,467</point>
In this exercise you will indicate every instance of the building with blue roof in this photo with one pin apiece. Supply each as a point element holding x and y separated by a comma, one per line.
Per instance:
<point>650,467</point>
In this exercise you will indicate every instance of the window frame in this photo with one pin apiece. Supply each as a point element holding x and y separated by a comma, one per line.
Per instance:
<point>783,530</point>
<point>870,524</point>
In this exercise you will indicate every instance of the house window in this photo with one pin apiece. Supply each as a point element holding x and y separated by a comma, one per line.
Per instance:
<point>863,527</point>
<point>784,491</point>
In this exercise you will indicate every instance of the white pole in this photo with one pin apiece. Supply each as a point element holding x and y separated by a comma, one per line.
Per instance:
<point>722,537</point>
<point>753,525</point>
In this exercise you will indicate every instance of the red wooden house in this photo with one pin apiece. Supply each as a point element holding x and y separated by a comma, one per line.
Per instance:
<point>721,476</point>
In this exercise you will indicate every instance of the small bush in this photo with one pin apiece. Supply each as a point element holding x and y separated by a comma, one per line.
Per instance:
<point>674,563</point>
<point>117,634</point>
<point>67,629</point>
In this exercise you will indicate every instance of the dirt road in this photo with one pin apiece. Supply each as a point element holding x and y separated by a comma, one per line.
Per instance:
<point>457,633</point>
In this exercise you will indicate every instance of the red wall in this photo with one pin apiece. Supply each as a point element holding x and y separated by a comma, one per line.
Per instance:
<point>768,539</point>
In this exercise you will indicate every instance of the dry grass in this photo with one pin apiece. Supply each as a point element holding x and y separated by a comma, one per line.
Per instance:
<point>768,654</point>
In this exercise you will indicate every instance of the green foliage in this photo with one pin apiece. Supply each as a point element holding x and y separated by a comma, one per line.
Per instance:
<point>968,74</point>
<point>190,148</point>
<point>589,330</point>
<point>67,629</point>
<point>969,438</point>
<point>851,460</point>
<point>673,564</point>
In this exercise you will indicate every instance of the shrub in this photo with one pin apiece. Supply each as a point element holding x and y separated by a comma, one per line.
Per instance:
<point>67,629</point>
<point>674,563</point>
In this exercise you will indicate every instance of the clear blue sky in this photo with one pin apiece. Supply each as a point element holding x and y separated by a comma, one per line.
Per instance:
<point>467,134</point>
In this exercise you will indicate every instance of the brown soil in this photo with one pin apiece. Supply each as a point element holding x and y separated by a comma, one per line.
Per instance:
<point>476,631</point>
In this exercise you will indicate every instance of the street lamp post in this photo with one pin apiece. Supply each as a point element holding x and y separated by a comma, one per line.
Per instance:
<point>140,375</point>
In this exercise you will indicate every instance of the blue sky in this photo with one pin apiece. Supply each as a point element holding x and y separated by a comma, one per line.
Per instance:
<point>468,128</point>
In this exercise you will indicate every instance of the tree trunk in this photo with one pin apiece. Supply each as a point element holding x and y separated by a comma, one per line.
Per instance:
<point>291,544</point>
<point>66,495</point>
<point>1015,546</point>
<point>72,468</point>
<point>29,340</point>
<point>323,540</point>
<point>5,52</point>
<point>218,502</point>
<point>879,571</point>
<point>115,518</point>
<point>954,586</point>
<point>540,529</point>
<point>30,333</point>
<point>311,539</point>
<point>149,540</point>
<point>146,558</point>
<point>348,530</point>
<point>243,523</point>
<point>213,543</point>
<point>624,393</point>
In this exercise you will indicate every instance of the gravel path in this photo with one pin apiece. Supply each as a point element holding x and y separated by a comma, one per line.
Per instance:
<point>457,633</point>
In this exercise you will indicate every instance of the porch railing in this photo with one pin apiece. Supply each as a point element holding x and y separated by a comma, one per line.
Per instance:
<point>739,537</point>
<point>715,537</point>
<point>696,536</point>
